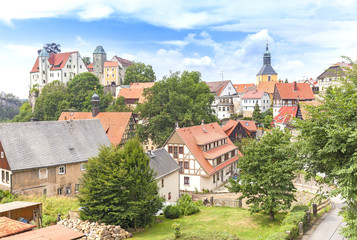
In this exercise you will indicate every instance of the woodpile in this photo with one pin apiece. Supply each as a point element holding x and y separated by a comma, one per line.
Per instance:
<point>95,230</point>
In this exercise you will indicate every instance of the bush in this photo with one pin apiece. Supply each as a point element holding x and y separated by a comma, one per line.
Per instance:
<point>199,203</point>
<point>300,208</point>
<point>172,212</point>
<point>186,205</point>
<point>295,217</point>
<point>294,230</point>
<point>278,236</point>
<point>48,220</point>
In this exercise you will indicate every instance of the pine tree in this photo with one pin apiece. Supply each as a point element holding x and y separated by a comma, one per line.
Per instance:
<point>119,187</point>
<point>257,115</point>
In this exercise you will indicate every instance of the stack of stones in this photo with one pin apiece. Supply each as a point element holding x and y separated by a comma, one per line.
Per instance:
<point>95,230</point>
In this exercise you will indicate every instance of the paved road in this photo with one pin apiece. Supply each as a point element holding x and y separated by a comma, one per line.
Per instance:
<point>328,229</point>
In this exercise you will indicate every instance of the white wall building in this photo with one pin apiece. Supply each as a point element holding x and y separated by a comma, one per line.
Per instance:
<point>251,98</point>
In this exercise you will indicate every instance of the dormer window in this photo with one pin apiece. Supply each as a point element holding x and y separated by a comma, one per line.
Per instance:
<point>2,154</point>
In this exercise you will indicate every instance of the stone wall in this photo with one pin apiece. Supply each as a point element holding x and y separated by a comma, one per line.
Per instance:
<point>95,230</point>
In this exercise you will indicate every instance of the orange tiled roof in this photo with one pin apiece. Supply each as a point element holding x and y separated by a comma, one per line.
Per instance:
<point>249,126</point>
<point>243,87</point>
<point>286,114</point>
<point>189,136</point>
<point>253,95</point>
<point>114,123</point>
<point>57,60</point>
<point>110,64</point>
<point>132,93</point>
<point>267,86</point>
<point>301,91</point>
<point>142,85</point>
<point>9,227</point>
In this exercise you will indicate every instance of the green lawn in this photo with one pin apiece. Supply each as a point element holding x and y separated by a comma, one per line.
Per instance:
<point>214,220</point>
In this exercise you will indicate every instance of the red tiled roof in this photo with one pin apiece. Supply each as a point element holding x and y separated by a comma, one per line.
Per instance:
<point>204,132</point>
<point>57,61</point>
<point>311,81</point>
<point>267,86</point>
<point>286,114</point>
<point>123,61</point>
<point>301,91</point>
<point>110,64</point>
<point>249,126</point>
<point>243,87</point>
<point>114,123</point>
<point>142,85</point>
<point>217,87</point>
<point>132,93</point>
<point>253,95</point>
<point>10,227</point>
<point>55,232</point>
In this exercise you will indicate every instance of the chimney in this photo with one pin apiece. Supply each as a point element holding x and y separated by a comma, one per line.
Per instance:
<point>202,122</point>
<point>177,125</point>
<point>95,104</point>
<point>294,86</point>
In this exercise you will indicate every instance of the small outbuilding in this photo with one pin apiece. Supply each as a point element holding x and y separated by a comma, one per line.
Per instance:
<point>25,211</point>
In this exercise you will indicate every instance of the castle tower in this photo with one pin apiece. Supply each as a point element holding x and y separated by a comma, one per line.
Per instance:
<point>95,104</point>
<point>267,73</point>
<point>99,57</point>
<point>43,66</point>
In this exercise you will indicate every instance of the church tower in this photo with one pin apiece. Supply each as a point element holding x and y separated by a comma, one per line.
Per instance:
<point>43,67</point>
<point>99,57</point>
<point>267,73</point>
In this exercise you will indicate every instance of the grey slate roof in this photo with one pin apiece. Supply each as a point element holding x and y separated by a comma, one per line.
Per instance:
<point>99,49</point>
<point>267,69</point>
<point>31,145</point>
<point>162,163</point>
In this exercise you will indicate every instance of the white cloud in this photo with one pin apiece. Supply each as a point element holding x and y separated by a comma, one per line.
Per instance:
<point>81,41</point>
<point>198,62</point>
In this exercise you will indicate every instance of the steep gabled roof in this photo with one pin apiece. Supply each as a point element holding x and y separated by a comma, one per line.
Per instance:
<point>267,69</point>
<point>286,114</point>
<point>123,62</point>
<point>162,163</point>
<point>336,70</point>
<point>249,126</point>
<point>267,86</point>
<point>114,123</point>
<point>243,87</point>
<point>253,95</point>
<point>196,135</point>
<point>31,145</point>
<point>132,93</point>
<point>56,60</point>
<point>217,87</point>
<point>301,91</point>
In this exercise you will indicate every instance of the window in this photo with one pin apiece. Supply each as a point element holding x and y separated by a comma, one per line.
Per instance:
<point>218,176</point>
<point>186,165</point>
<point>7,177</point>
<point>112,75</point>
<point>147,148</point>
<point>214,178</point>
<point>76,188</point>
<point>107,76</point>
<point>169,196</point>
<point>74,66</point>
<point>186,180</point>
<point>80,66</point>
<point>62,170</point>
<point>65,74</point>
<point>59,191</point>
<point>83,166</point>
<point>57,74</point>
<point>42,173</point>
<point>219,160</point>
<point>162,183</point>
<point>2,154</point>
<point>68,190</point>
<point>43,60</point>
<point>224,109</point>
<point>170,149</point>
<point>175,152</point>
<point>180,150</point>
<point>227,108</point>
<point>181,167</point>
<point>3,176</point>
<point>219,108</point>
<point>112,69</point>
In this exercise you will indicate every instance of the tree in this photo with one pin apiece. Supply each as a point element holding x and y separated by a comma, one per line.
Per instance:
<point>267,173</point>
<point>119,187</point>
<point>286,80</point>
<point>25,113</point>
<point>139,72</point>
<point>257,116</point>
<point>81,89</point>
<point>86,60</point>
<point>181,98</point>
<point>244,143</point>
<point>51,102</point>
<point>267,117</point>
<point>9,107</point>
<point>51,48</point>
<point>328,143</point>
<point>118,106</point>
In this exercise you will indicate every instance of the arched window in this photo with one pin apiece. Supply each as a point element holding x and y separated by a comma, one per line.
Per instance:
<point>269,78</point>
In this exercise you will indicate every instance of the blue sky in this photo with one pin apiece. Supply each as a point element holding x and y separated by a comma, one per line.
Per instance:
<point>305,37</point>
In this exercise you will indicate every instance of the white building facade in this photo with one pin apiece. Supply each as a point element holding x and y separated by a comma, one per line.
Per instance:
<point>251,98</point>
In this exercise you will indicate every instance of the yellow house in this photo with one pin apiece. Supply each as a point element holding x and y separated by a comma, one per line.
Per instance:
<point>111,73</point>
<point>267,73</point>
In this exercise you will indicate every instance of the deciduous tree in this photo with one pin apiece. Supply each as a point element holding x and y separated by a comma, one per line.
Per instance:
<point>178,98</point>
<point>267,173</point>
<point>257,115</point>
<point>119,187</point>
<point>139,72</point>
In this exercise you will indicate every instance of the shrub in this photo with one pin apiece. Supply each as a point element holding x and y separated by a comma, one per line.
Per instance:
<point>296,217</point>
<point>48,220</point>
<point>186,205</point>
<point>278,236</point>
<point>300,208</point>
<point>199,203</point>
<point>172,212</point>
<point>294,230</point>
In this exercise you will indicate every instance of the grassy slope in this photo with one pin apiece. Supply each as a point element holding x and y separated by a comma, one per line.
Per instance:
<point>216,219</point>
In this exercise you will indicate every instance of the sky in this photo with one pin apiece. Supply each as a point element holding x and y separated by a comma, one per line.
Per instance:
<point>221,39</point>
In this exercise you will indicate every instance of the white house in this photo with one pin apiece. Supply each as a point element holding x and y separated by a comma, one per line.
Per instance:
<point>205,154</point>
<point>49,67</point>
<point>225,98</point>
<point>251,98</point>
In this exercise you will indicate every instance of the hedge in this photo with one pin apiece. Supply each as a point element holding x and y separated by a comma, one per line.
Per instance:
<point>278,236</point>
<point>172,212</point>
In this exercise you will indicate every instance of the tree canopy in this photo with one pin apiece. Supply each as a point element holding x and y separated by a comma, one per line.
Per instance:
<point>51,102</point>
<point>139,72</point>
<point>119,187</point>
<point>51,48</point>
<point>267,173</point>
<point>328,143</point>
<point>86,60</point>
<point>257,115</point>
<point>25,113</point>
<point>181,98</point>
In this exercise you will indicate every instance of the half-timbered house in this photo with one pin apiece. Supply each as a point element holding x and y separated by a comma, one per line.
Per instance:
<point>236,130</point>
